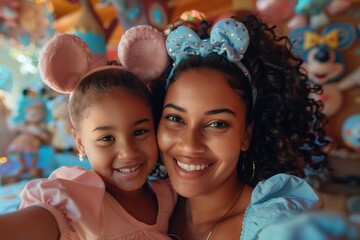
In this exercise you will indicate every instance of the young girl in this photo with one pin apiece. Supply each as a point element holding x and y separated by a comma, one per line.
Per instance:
<point>236,122</point>
<point>110,109</point>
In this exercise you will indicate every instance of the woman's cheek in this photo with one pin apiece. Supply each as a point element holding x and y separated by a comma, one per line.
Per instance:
<point>163,137</point>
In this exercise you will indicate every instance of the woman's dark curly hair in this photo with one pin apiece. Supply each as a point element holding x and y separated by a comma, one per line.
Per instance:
<point>288,126</point>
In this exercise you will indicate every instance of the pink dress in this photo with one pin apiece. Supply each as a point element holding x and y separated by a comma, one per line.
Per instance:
<point>84,210</point>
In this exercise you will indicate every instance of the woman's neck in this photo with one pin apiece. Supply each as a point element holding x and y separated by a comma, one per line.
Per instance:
<point>209,208</point>
<point>215,212</point>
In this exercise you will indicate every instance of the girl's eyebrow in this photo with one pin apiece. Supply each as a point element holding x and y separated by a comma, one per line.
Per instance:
<point>211,112</point>
<point>104,128</point>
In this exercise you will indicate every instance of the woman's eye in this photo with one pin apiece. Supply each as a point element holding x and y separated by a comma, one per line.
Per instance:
<point>218,125</point>
<point>107,138</point>
<point>140,132</point>
<point>174,118</point>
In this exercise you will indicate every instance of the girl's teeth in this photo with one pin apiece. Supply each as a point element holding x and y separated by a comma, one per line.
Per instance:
<point>129,170</point>
<point>191,167</point>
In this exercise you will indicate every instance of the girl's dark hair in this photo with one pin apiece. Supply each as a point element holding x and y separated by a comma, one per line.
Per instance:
<point>288,126</point>
<point>101,82</point>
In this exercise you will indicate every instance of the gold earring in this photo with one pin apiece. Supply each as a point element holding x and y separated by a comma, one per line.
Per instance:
<point>253,171</point>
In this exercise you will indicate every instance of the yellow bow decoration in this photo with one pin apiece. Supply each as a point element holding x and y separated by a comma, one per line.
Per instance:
<point>313,39</point>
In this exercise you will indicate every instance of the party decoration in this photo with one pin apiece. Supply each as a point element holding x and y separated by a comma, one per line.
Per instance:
<point>322,52</point>
<point>25,22</point>
<point>310,7</point>
<point>351,132</point>
<point>31,134</point>
<point>5,132</point>
<point>299,13</point>
<point>323,60</point>
<point>60,126</point>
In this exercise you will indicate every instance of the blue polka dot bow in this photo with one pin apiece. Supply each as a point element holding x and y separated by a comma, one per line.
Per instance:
<point>228,37</point>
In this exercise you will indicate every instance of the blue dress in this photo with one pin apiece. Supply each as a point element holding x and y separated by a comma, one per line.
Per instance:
<point>279,209</point>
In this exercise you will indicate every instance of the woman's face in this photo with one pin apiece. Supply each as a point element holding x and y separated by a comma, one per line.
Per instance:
<point>201,133</point>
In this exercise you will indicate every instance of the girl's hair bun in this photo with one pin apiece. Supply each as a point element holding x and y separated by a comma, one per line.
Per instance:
<point>63,61</point>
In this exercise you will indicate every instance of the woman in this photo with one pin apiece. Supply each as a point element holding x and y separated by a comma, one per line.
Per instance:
<point>236,121</point>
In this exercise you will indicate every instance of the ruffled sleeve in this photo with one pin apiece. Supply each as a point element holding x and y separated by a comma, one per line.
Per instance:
<point>75,198</point>
<point>311,225</point>
<point>275,199</point>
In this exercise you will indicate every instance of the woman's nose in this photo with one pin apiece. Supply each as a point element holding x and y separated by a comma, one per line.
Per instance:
<point>192,141</point>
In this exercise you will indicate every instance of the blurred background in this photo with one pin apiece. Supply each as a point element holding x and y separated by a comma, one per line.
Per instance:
<point>325,34</point>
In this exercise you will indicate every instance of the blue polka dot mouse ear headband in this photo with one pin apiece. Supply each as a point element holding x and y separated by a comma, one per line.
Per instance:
<point>228,38</point>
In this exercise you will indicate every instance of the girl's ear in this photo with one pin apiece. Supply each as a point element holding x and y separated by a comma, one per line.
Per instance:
<point>78,141</point>
<point>247,138</point>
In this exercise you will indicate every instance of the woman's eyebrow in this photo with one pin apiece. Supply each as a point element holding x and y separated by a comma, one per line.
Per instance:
<point>171,105</point>
<point>211,112</point>
<point>220,110</point>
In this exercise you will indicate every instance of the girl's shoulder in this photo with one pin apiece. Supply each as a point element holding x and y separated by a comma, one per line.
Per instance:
<point>72,195</point>
<point>164,190</point>
<point>277,198</point>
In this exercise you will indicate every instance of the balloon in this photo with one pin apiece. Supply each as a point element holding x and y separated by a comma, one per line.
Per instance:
<point>350,132</point>
<point>275,10</point>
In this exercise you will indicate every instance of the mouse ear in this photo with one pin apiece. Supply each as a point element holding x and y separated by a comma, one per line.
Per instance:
<point>63,61</point>
<point>142,51</point>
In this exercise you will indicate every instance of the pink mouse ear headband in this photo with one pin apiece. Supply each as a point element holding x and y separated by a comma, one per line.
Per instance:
<point>66,59</point>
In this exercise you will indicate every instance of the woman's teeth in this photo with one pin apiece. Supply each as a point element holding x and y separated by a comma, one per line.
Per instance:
<point>191,167</point>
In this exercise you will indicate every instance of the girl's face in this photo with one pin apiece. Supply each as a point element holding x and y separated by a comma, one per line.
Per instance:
<point>201,132</point>
<point>118,137</point>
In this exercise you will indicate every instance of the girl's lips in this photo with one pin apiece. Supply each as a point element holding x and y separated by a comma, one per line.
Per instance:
<point>129,170</point>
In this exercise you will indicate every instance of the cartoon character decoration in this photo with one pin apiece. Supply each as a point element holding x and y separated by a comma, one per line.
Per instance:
<point>323,60</point>
<point>298,13</point>
<point>30,136</point>
<point>60,127</point>
<point>25,21</point>
<point>5,133</point>
<point>351,132</point>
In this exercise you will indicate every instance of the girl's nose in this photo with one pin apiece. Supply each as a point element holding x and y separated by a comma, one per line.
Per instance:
<point>127,150</point>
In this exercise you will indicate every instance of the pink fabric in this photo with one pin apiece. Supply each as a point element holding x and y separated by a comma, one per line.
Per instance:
<point>84,210</point>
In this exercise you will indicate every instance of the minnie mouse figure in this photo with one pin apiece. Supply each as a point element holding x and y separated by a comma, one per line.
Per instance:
<point>30,136</point>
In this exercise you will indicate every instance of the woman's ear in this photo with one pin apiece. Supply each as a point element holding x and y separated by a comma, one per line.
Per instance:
<point>247,138</point>
<point>78,141</point>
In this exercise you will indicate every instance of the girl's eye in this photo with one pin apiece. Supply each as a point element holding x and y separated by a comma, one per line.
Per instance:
<point>107,138</point>
<point>174,118</point>
<point>140,132</point>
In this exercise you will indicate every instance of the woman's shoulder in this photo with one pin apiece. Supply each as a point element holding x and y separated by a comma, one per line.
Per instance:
<point>277,198</point>
<point>284,188</point>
